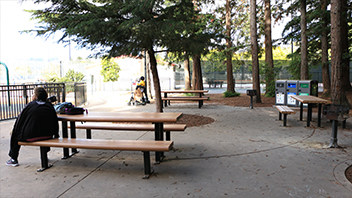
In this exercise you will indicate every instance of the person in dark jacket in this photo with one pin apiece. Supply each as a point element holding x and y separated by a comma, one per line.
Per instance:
<point>37,121</point>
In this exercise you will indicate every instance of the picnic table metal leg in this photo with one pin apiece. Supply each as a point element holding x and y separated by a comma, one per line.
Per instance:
<point>301,112</point>
<point>285,119</point>
<point>165,96</point>
<point>168,135</point>
<point>65,135</point>
<point>309,114</point>
<point>319,115</point>
<point>73,135</point>
<point>159,130</point>
<point>89,133</point>
<point>44,159</point>
<point>147,167</point>
<point>280,116</point>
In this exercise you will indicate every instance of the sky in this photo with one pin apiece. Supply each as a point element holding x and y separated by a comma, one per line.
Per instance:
<point>15,45</point>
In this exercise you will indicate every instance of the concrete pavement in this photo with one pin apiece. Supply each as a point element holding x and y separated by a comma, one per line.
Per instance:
<point>243,153</point>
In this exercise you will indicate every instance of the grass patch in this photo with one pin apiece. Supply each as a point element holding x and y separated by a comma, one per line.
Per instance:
<point>231,94</point>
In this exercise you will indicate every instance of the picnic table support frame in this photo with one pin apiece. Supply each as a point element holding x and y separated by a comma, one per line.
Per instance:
<point>159,129</point>
<point>44,159</point>
<point>319,115</point>
<point>147,167</point>
<point>65,135</point>
<point>309,115</point>
<point>285,119</point>
<point>301,112</point>
<point>73,135</point>
<point>89,133</point>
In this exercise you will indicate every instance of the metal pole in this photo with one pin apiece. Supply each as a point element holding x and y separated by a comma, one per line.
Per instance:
<point>8,82</point>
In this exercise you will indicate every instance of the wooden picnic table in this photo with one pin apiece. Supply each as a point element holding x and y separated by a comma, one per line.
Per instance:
<point>157,119</point>
<point>310,100</point>
<point>199,92</point>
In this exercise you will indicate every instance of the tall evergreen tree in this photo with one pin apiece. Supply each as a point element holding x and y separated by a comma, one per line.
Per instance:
<point>127,27</point>
<point>324,50</point>
<point>269,70</point>
<point>304,42</point>
<point>230,81</point>
<point>338,95</point>
<point>254,47</point>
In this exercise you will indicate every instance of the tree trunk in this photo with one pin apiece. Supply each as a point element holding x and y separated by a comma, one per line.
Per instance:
<point>254,47</point>
<point>197,74</point>
<point>324,55</point>
<point>345,44</point>
<point>270,78</point>
<point>230,81</point>
<point>338,95</point>
<point>153,64</point>
<point>187,72</point>
<point>148,77</point>
<point>304,42</point>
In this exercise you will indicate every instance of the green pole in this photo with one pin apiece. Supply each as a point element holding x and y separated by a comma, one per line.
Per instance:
<point>8,81</point>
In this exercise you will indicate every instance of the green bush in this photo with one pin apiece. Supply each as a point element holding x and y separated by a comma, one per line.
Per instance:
<point>231,94</point>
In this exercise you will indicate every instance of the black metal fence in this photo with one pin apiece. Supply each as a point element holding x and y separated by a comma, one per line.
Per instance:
<point>242,71</point>
<point>13,98</point>
<point>80,90</point>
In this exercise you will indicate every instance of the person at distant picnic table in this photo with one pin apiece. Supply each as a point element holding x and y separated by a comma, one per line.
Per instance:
<point>37,121</point>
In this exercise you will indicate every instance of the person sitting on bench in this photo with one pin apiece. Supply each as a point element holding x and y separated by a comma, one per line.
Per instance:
<point>37,121</point>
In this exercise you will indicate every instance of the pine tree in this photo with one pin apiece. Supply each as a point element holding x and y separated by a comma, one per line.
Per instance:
<point>117,28</point>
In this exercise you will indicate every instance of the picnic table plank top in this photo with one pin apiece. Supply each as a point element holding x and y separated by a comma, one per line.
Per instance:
<point>310,99</point>
<point>185,91</point>
<point>153,117</point>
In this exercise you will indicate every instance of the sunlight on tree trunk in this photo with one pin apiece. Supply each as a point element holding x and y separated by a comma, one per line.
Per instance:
<point>197,74</point>
<point>338,95</point>
<point>304,42</point>
<point>254,47</point>
<point>187,72</point>
<point>230,81</point>
<point>324,54</point>
<point>269,74</point>
<point>153,64</point>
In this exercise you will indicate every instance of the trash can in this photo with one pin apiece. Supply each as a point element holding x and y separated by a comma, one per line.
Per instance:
<point>291,89</point>
<point>280,92</point>
<point>308,87</point>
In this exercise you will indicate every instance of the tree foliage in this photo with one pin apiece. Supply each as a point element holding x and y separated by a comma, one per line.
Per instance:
<point>72,76</point>
<point>110,70</point>
<point>115,28</point>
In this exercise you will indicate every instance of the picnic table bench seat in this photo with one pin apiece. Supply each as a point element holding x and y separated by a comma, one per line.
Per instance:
<point>283,109</point>
<point>185,98</point>
<point>126,145</point>
<point>131,127</point>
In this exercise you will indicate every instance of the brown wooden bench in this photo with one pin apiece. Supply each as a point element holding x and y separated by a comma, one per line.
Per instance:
<point>284,110</point>
<point>126,145</point>
<point>185,98</point>
<point>131,127</point>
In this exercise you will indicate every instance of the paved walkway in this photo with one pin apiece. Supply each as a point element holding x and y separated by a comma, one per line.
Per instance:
<point>244,153</point>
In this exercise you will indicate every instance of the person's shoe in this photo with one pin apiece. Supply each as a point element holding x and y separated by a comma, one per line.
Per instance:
<point>12,162</point>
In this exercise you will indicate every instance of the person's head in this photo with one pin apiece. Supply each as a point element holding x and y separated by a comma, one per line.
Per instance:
<point>40,94</point>
<point>142,78</point>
